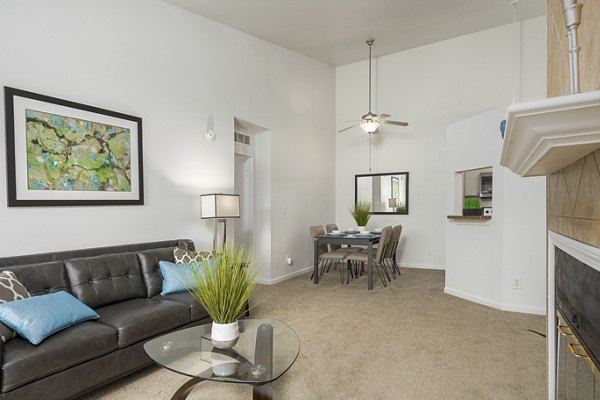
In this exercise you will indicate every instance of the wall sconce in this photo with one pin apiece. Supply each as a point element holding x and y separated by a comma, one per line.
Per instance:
<point>220,206</point>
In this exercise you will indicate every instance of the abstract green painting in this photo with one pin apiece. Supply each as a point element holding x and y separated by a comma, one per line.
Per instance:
<point>71,154</point>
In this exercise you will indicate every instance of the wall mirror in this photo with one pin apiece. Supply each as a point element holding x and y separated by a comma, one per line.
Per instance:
<point>387,192</point>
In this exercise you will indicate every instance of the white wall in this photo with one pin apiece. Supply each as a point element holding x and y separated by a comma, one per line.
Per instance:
<point>482,258</point>
<point>174,69</point>
<point>429,87</point>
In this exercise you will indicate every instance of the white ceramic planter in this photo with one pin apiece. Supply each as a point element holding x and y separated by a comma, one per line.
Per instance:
<point>224,336</point>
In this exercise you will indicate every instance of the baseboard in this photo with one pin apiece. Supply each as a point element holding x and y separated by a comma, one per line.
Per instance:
<point>474,299</point>
<point>284,277</point>
<point>525,309</point>
<point>423,266</point>
<point>493,304</point>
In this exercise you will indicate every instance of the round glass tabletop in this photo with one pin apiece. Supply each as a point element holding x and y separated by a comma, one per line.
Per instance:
<point>266,349</point>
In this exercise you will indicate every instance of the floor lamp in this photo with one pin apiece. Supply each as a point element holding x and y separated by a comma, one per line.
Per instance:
<point>220,206</point>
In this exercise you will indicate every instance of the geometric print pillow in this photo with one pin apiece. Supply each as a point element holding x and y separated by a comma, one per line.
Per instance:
<point>10,290</point>
<point>186,256</point>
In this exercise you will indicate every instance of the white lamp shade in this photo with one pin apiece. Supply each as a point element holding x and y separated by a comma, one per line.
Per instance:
<point>219,205</point>
<point>393,202</point>
<point>370,126</point>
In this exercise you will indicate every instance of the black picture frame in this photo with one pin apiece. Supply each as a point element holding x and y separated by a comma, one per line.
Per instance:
<point>358,176</point>
<point>20,194</point>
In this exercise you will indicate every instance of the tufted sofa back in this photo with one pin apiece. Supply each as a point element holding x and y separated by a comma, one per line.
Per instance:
<point>107,279</point>
<point>97,276</point>
<point>41,278</point>
<point>150,270</point>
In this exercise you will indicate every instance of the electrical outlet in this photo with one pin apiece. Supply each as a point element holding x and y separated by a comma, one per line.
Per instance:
<point>517,283</point>
<point>429,252</point>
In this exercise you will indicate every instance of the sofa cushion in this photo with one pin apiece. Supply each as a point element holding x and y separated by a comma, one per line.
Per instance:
<point>38,317</point>
<point>140,319</point>
<point>184,256</point>
<point>150,270</point>
<point>41,278</point>
<point>197,312</point>
<point>107,279</point>
<point>10,290</point>
<point>177,277</point>
<point>24,362</point>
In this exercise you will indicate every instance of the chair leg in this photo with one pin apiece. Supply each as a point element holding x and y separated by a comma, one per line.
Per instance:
<point>323,266</point>
<point>384,267</point>
<point>330,263</point>
<point>396,265</point>
<point>390,265</point>
<point>349,272</point>
<point>380,274</point>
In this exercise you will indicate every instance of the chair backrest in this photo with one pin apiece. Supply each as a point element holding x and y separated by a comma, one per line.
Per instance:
<point>396,232</point>
<point>330,228</point>
<point>316,230</point>
<point>384,241</point>
<point>391,248</point>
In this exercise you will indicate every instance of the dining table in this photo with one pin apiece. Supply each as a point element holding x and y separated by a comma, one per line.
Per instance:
<point>349,238</point>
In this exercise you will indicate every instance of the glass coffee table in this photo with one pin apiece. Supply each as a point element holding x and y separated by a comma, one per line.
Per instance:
<point>266,349</point>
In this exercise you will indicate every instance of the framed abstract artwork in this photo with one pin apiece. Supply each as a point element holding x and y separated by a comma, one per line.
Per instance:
<point>62,153</point>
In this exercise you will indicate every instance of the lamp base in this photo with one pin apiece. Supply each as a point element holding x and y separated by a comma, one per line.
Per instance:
<point>217,221</point>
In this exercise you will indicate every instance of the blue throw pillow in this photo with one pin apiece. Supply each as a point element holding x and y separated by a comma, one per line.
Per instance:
<point>38,317</point>
<point>175,276</point>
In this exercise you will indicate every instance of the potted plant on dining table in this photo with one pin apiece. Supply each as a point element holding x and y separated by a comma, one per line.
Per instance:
<point>361,212</point>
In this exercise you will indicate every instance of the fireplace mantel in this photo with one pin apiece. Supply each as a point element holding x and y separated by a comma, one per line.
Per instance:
<point>544,136</point>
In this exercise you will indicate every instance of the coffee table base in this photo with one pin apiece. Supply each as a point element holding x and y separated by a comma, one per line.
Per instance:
<point>259,392</point>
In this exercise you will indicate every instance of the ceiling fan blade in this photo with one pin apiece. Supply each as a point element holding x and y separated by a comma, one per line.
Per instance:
<point>382,116</point>
<point>350,120</point>
<point>350,127</point>
<point>394,122</point>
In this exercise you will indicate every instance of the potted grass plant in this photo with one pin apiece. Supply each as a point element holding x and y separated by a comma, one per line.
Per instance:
<point>361,212</point>
<point>223,285</point>
<point>472,206</point>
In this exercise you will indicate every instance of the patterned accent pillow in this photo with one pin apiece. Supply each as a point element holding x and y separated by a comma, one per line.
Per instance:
<point>187,256</point>
<point>10,289</point>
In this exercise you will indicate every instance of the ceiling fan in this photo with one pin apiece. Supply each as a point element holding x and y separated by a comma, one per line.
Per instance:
<point>370,122</point>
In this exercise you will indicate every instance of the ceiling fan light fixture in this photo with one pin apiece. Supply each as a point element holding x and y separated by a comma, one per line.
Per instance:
<point>369,126</point>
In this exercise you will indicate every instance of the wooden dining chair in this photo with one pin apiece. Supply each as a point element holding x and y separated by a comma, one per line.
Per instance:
<point>363,256</point>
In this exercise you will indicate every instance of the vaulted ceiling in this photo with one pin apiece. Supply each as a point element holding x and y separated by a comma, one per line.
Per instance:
<point>335,31</point>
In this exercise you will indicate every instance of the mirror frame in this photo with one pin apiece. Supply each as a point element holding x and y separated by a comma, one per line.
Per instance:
<point>381,174</point>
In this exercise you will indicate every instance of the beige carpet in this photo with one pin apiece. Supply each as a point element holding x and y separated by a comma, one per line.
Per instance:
<point>407,341</point>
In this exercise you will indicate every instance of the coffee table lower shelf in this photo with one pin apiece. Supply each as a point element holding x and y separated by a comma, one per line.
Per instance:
<point>259,392</point>
<point>265,350</point>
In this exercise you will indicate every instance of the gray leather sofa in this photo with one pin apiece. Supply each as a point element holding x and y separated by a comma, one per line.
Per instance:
<point>122,284</point>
